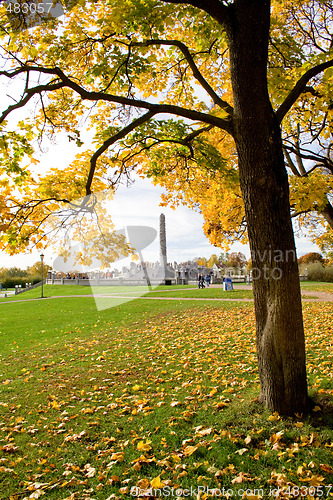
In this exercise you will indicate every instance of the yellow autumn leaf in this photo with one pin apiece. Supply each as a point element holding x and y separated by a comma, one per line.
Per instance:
<point>144,446</point>
<point>252,497</point>
<point>189,450</point>
<point>118,457</point>
<point>314,480</point>
<point>274,417</point>
<point>157,483</point>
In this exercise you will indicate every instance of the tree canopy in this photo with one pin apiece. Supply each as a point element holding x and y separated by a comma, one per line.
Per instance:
<point>154,86</point>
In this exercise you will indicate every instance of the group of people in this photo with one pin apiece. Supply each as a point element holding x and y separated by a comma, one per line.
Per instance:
<point>204,281</point>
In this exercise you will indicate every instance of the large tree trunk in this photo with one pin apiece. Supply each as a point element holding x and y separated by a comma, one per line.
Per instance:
<point>264,184</point>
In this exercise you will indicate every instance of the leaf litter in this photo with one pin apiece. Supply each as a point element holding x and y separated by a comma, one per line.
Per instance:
<point>166,402</point>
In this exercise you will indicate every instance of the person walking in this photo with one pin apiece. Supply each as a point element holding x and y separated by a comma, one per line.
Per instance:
<point>207,279</point>
<point>201,283</point>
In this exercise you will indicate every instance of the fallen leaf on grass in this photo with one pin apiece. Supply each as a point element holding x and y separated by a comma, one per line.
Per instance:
<point>118,457</point>
<point>5,469</point>
<point>314,480</point>
<point>241,477</point>
<point>274,417</point>
<point>189,450</point>
<point>9,448</point>
<point>157,483</point>
<point>144,446</point>
<point>89,470</point>
<point>75,437</point>
<point>143,483</point>
<point>326,468</point>
<point>203,432</point>
<point>241,451</point>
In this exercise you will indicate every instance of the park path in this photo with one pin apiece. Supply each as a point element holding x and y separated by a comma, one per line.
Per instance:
<point>308,296</point>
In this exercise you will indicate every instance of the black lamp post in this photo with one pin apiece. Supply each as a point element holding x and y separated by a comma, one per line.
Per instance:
<point>41,259</point>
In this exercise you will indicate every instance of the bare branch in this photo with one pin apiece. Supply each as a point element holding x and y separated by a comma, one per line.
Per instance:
<point>322,161</point>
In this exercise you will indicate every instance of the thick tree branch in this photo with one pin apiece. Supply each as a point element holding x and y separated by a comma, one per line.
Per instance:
<point>197,132</point>
<point>298,156</point>
<point>299,88</point>
<point>290,163</point>
<point>136,103</point>
<point>322,162</point>
<point>301,212</point>
<point>112,140</point>
<point>328,214</point>
<point>196,73</point>
<point>29,94</point>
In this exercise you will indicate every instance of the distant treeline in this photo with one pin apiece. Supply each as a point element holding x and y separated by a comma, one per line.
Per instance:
<point>10,277</point>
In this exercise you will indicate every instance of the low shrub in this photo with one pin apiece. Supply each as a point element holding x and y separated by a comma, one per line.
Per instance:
<point>12,282</point>
<point>317,272</point>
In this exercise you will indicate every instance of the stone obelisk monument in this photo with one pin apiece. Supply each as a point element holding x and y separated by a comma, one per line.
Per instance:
<point>163,249</point>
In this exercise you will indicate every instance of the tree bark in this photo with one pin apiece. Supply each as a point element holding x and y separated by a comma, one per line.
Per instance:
<point>264,184</point>
<point>328,213</point>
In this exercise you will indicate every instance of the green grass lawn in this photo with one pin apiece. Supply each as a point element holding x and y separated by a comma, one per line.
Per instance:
<point>177,291</point>
<point>152,394</point>
<point>180,291</point>
<point>70,290</point>
<point>206,293</point>
<point>317,286</point>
